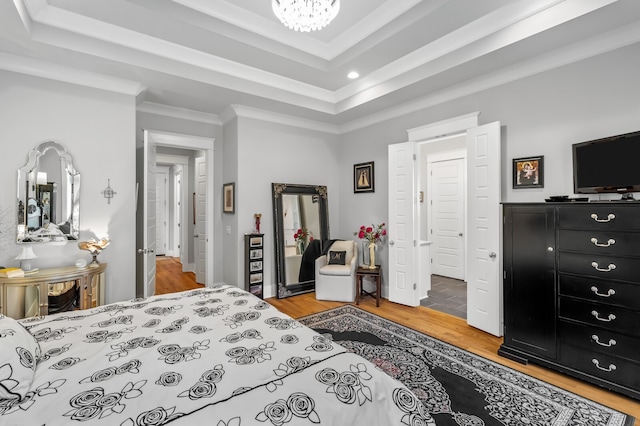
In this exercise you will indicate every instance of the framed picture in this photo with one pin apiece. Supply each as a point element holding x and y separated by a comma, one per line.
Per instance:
<point>228,198</point>
<point>255,242</point>
<point>528,172</point>
<point>255,254</point>
<point>255,278</point>
<point>363,177</point>
<point>255,266</point>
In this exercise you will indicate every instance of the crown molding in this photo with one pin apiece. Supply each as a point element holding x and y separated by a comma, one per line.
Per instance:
<point>242,111</point>
<point>181,113</point>
<point>237,16</point>
<point>51,71</point>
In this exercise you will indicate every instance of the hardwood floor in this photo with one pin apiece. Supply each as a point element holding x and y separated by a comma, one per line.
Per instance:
<point>170,278</point>
<point>448,328</point>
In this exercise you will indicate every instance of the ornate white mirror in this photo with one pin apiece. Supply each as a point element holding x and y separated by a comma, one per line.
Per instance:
<point>48,196</point>
<point>298,207</point>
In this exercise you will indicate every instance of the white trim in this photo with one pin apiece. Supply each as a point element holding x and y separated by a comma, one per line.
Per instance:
<point>175,112</point>
<point>52,71</point>
<point>274,117</point>
<point>177,140</point>
<point>448,127</point>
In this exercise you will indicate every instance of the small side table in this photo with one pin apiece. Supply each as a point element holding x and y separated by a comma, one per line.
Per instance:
<point>364,271</point>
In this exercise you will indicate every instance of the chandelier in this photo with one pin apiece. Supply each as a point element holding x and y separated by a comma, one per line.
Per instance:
<point>305,15</point>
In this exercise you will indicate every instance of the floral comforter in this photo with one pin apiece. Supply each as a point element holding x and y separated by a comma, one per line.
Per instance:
<point>216,356</point>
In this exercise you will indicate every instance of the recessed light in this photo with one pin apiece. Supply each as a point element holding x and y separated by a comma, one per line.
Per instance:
<point>353,75</point>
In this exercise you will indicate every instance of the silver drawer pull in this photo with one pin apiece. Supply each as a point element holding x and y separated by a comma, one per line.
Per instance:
<point>596,339</point>
<point>612,367</point>
<point>596,314</point>
<point>609,218</point>
<point>610,293</point>
<point>609,268</point>
<point>609,242</point>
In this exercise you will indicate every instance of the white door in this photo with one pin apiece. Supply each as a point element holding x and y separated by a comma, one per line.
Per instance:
<point>200,242</point>
<point>162,213</point>
<point>403,248</point>
<point>177,231</point>
<point>447,217</point>
<point>146,239</point>
<point>484,286</point>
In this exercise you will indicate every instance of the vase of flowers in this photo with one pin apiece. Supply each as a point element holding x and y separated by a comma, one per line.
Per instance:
<point>372,234</point>
<point>302,237</point>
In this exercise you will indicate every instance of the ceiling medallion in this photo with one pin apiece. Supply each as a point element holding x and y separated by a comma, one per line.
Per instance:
<point>306,15</point>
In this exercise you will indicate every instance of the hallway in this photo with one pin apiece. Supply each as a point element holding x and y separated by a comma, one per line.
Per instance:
<point>447,295</point>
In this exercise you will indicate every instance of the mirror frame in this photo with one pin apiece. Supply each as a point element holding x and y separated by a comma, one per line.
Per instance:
<point>277,190</point>
<point>70,189</point>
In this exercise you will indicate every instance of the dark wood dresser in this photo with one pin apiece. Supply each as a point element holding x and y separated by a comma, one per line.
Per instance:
<point>572,290</point>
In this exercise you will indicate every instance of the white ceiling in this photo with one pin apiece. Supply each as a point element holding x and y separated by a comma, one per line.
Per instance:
<point>201,56</point>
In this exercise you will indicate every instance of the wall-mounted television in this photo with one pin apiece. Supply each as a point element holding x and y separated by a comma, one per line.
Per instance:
<point>607,165</point>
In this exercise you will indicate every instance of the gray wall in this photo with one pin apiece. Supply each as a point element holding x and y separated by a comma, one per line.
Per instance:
<point>541,115</point>
<point>98,129</point>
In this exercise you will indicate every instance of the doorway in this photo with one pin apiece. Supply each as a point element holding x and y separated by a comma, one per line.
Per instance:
<point>156,145</point>
<point>443,218</point>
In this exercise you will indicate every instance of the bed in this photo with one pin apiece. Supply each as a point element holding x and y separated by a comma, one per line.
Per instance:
<point>217,356</point>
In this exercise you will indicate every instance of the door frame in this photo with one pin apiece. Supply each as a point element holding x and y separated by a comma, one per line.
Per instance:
<point>184,141</point>
<point>437,130</point>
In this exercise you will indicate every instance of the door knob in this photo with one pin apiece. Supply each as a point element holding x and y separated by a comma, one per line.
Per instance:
<point>492,255</point>
<point>459,234</point>
<point>391,242</point>
<point>142,251</point>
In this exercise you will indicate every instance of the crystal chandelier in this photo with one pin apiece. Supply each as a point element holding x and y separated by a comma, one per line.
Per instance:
<point>305,15</point>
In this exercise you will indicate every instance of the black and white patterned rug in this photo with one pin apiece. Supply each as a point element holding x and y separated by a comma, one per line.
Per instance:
<point>458,387</point>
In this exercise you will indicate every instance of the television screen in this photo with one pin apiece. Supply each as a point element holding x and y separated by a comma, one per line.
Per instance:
<point>607,165</point>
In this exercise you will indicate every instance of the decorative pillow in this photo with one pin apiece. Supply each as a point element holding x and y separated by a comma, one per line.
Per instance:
<point>18,357</point>
<point>337,257</point>
<point>340,245</point>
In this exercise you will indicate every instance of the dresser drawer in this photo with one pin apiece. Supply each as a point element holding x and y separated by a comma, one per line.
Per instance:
<point>601,291</point>
<point>612,369</point>
<point>606,316</point>
<point>599,217</point>
<point>598,340</point>
<point>606,267</point>
<point>600,242</point>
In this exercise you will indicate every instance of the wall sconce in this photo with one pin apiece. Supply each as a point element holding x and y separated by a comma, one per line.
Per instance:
<point>108,192</point>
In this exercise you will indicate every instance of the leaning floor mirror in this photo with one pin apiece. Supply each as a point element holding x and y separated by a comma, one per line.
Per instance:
<point>301,225</point>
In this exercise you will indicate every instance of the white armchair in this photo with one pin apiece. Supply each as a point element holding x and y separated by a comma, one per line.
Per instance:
<point>336,280</point>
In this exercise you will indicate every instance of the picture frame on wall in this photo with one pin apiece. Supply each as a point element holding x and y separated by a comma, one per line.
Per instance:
<point>528,172</point>
<point>363,177</point>
<point>228,197</point>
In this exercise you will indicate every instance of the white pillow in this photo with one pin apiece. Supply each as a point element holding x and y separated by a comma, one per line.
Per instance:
<point>343,246</point>
<point>19,352</point>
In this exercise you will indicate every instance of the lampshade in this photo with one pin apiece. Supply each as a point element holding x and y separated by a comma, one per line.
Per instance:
<point>26,253</point>
<point>305,15</point>
<point>25,257</point>
<point>41,178</point>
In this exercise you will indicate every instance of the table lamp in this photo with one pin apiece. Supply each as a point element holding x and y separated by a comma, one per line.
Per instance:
<point>25,257</point>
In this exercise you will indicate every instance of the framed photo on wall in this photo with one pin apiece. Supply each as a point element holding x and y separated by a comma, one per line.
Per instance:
<point>363,178</point>
<point>228,198</point>
<point>528,172</point>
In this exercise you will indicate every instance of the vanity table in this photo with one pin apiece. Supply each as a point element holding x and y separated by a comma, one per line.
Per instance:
<point>29,295</point>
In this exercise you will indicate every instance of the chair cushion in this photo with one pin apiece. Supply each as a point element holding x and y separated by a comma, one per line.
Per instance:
<point>336,270</point>
<point>337,257</point>
<point>18,357</point>
<point>346,246</point>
